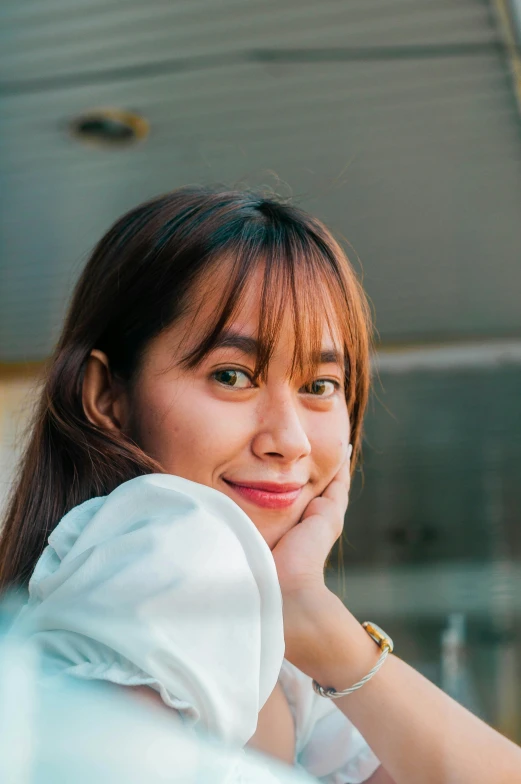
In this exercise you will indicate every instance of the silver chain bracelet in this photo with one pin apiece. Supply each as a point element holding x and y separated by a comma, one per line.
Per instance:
<point>385,644</point>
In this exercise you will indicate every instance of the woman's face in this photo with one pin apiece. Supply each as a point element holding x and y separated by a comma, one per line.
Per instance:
<point>272,446</point>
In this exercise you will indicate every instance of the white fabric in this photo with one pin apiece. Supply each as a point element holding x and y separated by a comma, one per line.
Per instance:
<point>168,583</point>
<point>328,746</point>
<point>64,731</point>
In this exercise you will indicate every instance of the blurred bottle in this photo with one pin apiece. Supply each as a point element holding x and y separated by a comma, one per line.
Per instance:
<point>456,679</point>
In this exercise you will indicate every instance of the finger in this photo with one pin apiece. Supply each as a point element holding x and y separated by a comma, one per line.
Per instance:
<point>342,478</point>
<point>335,495</point>
<point>337,490</point>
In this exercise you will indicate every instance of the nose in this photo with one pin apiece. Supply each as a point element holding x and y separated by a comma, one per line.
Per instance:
<point>280,433</point>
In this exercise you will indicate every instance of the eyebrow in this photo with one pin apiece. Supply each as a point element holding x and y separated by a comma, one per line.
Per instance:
<point>250,346</point>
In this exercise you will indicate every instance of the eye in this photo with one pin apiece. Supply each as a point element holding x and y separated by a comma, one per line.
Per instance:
<point>229,377</point>
<point>322,387</point>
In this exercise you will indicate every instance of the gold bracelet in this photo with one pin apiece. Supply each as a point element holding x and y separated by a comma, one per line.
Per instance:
<point>385,644</point>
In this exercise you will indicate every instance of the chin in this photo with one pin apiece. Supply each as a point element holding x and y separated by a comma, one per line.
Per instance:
<point>271,524</point>
<point>271,538</point>
<point>272,534</point>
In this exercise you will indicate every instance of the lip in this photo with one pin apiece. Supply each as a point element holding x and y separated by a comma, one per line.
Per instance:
<point>268,495</point>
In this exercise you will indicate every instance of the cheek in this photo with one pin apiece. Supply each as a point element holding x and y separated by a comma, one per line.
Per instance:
<point>186,430</point>
<point>329,442</point>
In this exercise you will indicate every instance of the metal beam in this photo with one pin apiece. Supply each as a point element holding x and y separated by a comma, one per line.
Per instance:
<point>456,356</point>
<point>509,16</point>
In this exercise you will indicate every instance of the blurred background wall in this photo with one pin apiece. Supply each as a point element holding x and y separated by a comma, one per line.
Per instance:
<point>397,122</point>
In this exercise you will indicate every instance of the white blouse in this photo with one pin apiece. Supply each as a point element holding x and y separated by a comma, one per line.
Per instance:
<point>168,583</point>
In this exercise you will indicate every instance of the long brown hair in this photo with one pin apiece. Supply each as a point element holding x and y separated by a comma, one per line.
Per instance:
<point>136,283</point>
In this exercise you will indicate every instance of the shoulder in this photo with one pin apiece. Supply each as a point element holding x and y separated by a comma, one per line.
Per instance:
<point>171,507</point>
<point>163,582</point>
<point>159,527</point>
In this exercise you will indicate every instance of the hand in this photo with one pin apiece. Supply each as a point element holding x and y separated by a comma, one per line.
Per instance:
<point>301,553</point>
<point>309,607</point>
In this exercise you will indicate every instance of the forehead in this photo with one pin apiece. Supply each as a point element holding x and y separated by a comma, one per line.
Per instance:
<point>295,315</point>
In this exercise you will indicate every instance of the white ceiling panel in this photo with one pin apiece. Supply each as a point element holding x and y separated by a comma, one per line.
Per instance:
<point>42,38</point>
<point>413,154</point>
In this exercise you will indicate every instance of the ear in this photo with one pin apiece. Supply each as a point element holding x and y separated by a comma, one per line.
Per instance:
<point>104,400</point>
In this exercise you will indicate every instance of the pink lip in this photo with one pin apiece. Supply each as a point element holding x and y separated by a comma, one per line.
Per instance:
<point>269,495</point>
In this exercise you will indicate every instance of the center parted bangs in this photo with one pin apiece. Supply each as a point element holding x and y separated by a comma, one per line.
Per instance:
<point>304,277</point>
<point>160,261</point>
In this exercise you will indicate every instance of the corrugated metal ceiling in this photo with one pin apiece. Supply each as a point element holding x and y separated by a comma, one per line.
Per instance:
<point>47,38</point>
<point>394,121</point>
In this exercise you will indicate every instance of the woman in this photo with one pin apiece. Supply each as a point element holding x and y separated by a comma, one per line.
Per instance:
<point>209,386</point>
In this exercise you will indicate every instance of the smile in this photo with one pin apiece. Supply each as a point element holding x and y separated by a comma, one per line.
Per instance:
<point>268,495</point>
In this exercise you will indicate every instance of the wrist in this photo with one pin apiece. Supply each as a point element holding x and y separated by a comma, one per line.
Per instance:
<point>328,644</point>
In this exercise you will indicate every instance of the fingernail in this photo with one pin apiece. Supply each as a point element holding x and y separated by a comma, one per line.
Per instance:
<point>349,451</point>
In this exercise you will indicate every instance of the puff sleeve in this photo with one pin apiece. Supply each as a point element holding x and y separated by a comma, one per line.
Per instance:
<point>167,583</point>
